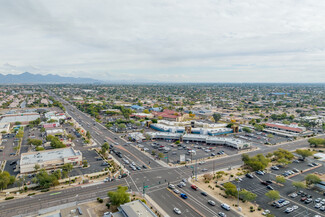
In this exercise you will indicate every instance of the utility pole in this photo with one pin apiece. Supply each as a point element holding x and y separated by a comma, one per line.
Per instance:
<point>213,168</point>
<point>238,189</point>
<point>196,170</point>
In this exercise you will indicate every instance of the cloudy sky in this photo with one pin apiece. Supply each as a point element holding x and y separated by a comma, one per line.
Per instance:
<point>166,40</point>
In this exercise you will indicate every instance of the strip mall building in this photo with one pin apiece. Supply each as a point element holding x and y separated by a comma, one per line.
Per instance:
<point>50,159</point>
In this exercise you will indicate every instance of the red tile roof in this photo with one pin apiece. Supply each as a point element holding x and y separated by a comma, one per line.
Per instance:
<point>284,127</point>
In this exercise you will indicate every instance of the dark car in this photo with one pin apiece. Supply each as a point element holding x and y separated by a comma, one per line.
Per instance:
<point>144,167</point>
<point>269,181</point>
<point>204,193</point>
<point>264,183</point>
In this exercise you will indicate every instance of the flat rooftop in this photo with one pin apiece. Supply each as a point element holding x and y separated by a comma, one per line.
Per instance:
<point>19,118</point>
<point>137,208</point>
<point>49,155</point>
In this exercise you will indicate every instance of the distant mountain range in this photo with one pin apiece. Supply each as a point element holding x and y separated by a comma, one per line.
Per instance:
<point>29,78</point>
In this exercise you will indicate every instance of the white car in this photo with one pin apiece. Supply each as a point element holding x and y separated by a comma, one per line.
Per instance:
<point>293,195</point>
<point>171,186</point>
<point>288,210</point>
<point>318,205</point>
<point>176,191</point>
<point>265,212</point>
<point>211,202</point>
<point>322,208</point>
<point>295,207</point>
<point>177,211</point>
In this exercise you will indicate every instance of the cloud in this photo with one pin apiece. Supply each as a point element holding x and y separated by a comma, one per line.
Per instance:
<point>198,41</point>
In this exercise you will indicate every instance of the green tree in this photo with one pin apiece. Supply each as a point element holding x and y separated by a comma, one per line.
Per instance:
<point>120,196</point>
<point>316,142</point>
<point>37,167</point>
<point>247,195</point>
<point>304,153</point>
<point>247,130</point>
<point>85,163</point>
<point>45,180</point>
<point>67,168</point>
<point>257,162</point>
<point>88,135</point>
<point>273,195</point>
<point>5,180</point>
<point>280,179</point>
<point>312,179</point>
<point>299,185</point>
<point>160,155</point>
<point>230,189</point>
<point>216,117</point>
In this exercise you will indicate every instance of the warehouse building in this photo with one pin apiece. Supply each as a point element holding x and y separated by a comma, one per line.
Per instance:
<point>50,159</point>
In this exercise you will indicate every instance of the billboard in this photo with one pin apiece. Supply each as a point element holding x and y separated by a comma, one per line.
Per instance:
<point>182,158</point>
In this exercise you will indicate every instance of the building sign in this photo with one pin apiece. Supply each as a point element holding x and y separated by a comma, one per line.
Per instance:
<point>72,158</point>
<point>182,158</point>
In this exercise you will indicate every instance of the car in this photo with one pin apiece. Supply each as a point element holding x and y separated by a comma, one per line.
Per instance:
<point>322,208</point>
<point>300,192</point>
<point>204,193</point>
<point>318,205</point>
<point>138,168</point>
<point>211,202</point>
<point>184,196</point>
<point>171,186</point>
<point>225,206</point>
<point>184,180</point>
<point>310,164</point>
<point>144,167</point>
<point>288,210</point>
<point>293,195</point>
<point>181,185</point>
<point>318,200</point>
<point>286,202</point>
<point>295,161</point>
<point>295,170</point>
<point>176,191</point>
<point>248,175</point>
<point>259,172</point>
<point>265,212</point>
<point>105,164</point>
<point>274,168</point>
<point>194,187</point>
<point>264,183</point>
<point>281,200</point>
<point>239,179</point>
<point>295,207</point>
<point>309,200</point>
<point>204,170</point>
<point>12,154</point>
<point>314,164</point>
<point>177,211</point>
<point>213,154</point>
<point>269,181</point>
<point>270,187</point>
<point>303,199</point>
<point>221,214</point>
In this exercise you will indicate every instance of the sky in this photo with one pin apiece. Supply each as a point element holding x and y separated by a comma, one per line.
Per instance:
<point>166,40</point>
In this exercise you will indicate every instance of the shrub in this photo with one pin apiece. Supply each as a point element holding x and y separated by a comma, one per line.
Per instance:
<point>31,194</point>
<point>9,198</point>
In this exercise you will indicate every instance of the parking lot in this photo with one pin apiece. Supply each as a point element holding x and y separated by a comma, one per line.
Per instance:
<point>294,206</point>
<point>261,138</point>
<point>192,151</point>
